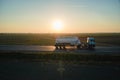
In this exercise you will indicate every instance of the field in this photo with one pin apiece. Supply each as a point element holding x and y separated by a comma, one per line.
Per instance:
<point>63,56</point>
<point>102,39</point>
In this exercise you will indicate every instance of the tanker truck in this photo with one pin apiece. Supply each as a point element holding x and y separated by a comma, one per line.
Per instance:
<point>62,42</point>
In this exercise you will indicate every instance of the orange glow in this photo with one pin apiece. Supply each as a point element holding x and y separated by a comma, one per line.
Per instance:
<point>57,26</point>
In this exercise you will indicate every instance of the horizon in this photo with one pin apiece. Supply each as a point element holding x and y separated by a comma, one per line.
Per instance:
<point>66,33</point>
<point>60,16</point>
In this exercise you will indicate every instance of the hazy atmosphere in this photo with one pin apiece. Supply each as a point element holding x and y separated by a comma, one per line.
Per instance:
<point>59,16</point>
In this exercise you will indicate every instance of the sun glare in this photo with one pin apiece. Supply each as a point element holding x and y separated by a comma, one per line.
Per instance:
<point>57,25</point>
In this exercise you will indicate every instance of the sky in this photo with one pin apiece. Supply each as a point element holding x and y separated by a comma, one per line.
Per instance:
<point>75,16</point>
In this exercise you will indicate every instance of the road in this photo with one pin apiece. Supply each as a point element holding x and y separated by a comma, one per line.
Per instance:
<point>57,70</point>
<point>35,48</point>
<point>20,70</point>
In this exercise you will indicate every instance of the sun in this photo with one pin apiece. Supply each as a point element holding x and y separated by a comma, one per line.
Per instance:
<point>57,25</point>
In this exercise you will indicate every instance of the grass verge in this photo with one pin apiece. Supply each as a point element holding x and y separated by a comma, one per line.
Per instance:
<point>102,39</point>
<point>54,56</point>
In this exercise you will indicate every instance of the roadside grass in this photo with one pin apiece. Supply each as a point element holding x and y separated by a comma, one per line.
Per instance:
<point>63,56</point>
<point>102,39</point>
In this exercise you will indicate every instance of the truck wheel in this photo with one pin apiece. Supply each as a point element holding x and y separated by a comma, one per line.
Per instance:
<point>64,47</point>
<point>78,46</point>
<point>60,47</point>
<point>56,47</point>
<point>90,47</point>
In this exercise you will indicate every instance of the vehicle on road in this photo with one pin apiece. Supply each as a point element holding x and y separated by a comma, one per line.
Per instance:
<point>62,42</point>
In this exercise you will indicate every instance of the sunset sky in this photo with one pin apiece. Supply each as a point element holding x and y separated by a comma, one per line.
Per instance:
<point>63,16</point>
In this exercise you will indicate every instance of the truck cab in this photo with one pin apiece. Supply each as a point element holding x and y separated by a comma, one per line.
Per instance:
<point>91,42</point>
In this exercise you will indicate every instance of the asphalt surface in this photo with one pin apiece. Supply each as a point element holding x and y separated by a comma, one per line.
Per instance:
<point>57,70</point>
<point>35,48</point>
<point>18,70</point>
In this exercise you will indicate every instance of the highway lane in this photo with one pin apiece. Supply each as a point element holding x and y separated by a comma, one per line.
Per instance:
<point>36,48</point>
<point>26,48</point>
